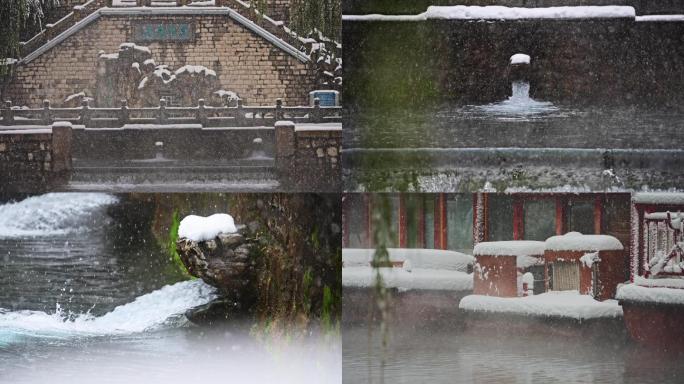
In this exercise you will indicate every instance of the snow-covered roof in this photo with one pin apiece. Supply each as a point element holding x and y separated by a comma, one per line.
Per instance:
<point>564,304</point>
<point>575,241</point>
<point>526,252</point>
<point>510,248</point>
<point>168,11</point>
<point>663,198</point>
<point>199,228</point>
<point>419,258</point>
<point>495,12</point>
<point>406,280</point>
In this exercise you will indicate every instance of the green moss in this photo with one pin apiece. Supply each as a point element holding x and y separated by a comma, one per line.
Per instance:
<point>176,265</point>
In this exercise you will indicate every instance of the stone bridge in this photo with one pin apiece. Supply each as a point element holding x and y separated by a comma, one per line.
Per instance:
<point>176,148</point>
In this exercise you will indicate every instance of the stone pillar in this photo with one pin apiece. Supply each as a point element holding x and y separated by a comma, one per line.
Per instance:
<point>285,142</point>
<point>61,146</point>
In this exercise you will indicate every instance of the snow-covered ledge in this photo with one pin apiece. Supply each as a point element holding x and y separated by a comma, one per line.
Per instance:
<point>495,12</point>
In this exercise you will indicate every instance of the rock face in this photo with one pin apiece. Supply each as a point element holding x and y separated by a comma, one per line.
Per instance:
<point>225,262</point>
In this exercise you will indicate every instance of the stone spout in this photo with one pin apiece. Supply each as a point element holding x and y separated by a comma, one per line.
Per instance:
<point>519,68</point>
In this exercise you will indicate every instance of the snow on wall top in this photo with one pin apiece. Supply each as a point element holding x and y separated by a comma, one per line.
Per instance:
<point>564,304</point>
<point>660,18</point>
<point>575,241</point>
<point>510,248</point>
<point>495,12</point>
<point>199,228</point>
<point>673,198</point>
<point>633,292</point>
<point>407,280</point>
<point>520,58</point>
<point>419,258</point>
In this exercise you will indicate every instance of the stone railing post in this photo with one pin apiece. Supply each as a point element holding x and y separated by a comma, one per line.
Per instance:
<point>161,116</point>
<point>46,114</point>
<point>285,142</point>
<point>123,113</point>
<point>279,109</point>
<point>201,114</point>
<point>79,13</point>
<point>8,114</point>
<point>316,112</point>
<point>62,133</point>
<point>85,113</point>
<point>49,31</point>
<point>239,114</point>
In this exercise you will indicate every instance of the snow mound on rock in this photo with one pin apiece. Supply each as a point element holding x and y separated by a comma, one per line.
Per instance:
<point>199,228</point>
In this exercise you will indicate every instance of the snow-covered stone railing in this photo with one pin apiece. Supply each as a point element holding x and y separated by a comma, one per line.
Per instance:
<point>323,53</point>
<point>79,13</point>
<point>207,116</point>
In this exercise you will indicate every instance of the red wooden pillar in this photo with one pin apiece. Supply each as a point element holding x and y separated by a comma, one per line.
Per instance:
<point>476,230</point>
<point>640,254</point>
<point>561,212</point>
<point>518,220</point>
<point>440,222</point>
<point>598,214</point>
<point>402,221</point>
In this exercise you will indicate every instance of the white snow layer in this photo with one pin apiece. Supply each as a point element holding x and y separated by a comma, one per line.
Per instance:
<point>658,198</point>
<point>527,252</point>
<point>419,258</point>
<point>407,279</point>
<point>633,292</point>
<point>669,18</point>
<point>464,12</point>
<point>671,282</point>
<point>199,228</point>
<point>520,58</point>
<point>565,304</point>
<point>575,241</point>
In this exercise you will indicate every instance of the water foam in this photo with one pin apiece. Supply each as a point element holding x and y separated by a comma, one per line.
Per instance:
<point>519,104</point>
<point>156,310</point>
<point>51,214</point>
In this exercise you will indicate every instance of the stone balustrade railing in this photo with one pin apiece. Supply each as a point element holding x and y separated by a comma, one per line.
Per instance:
<point>80,12</point>
<point>206,116</point>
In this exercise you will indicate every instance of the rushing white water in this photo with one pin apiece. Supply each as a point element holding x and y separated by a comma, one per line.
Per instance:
<point>519,104</point>
<point>162,308</point>
<point>51,214</point>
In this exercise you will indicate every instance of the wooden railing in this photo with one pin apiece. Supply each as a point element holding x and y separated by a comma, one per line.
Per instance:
<point>661,239</point>
<point>206,116</point>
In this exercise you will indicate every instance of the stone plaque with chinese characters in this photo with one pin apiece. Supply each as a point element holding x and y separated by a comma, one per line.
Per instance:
<point>164,31</point>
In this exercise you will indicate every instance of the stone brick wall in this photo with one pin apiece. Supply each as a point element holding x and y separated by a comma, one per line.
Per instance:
<point>585,62</point>
<point>244,62</point>
<point>34,161</point>
<point>308,158</point>
<point>278,10</point>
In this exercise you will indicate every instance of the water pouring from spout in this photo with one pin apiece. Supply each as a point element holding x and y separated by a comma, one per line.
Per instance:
<point>519,104</point>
